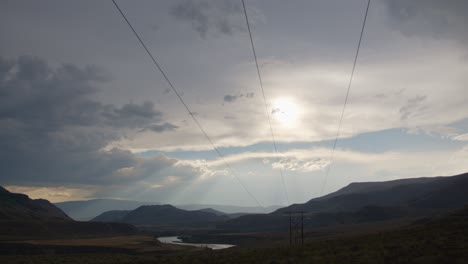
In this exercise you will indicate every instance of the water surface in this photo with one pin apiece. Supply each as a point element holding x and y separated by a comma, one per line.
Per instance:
<point>178,241</point>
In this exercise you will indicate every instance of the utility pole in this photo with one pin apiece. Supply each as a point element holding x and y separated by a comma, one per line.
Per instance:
<point>296,227</point>
<point>302,228</point>
<point>290,228</point>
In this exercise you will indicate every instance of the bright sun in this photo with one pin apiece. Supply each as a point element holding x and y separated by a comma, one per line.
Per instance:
<point>285,111</point>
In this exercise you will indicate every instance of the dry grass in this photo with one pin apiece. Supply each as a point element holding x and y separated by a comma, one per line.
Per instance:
<point>434,241</point>
<point>119,241</point>
<point>139,243</point>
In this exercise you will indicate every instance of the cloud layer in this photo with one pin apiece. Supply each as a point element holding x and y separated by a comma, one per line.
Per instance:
<point>53,133</point>
<point>430,18</point>
<point>65,128</point>
<point>216,17</point>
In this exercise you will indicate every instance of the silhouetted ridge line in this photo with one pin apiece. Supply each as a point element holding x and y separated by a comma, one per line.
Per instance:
<point>21,216</point>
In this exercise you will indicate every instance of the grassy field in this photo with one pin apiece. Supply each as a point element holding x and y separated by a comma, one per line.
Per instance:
<point>433,241</point>
<point>141,243</point>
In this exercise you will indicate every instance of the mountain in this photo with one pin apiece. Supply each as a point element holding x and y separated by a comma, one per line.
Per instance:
<point>111,216</point>
<point>366,187</point>
<point>230,209</point>
<point>219,213</point>
<point>213,211</point>
<point>21,216</point>
<point>366,202</point>
<point>15,206</point>
<point>446,191</point>
<point>160,215</point>
<point>86,210</point>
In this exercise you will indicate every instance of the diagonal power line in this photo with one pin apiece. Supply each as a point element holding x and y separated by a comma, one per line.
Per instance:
<point>346,98</point>
<point>186,106</point>
<point>264,100</point>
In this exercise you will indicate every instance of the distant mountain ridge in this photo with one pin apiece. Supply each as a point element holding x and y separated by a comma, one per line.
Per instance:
<point>111,216</point>
<point>355,203</point>
<point>366,202</point>
<point>213,211</point>
<point>231,209</point>
<point>88,209</point>
<point>160,215</point>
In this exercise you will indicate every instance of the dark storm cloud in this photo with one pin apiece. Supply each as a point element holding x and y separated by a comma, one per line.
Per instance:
<point>35,94</point>
<point>5,67</point>
<point>431,18</point>
<point>145,111</point>
<point>231,98</point>
<point>52,132</point>
<point>210,16</point>
<point>162,127</point>
<point>138,116</point>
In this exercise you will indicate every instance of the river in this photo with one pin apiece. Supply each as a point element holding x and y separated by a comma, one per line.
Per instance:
<point>177,241</point>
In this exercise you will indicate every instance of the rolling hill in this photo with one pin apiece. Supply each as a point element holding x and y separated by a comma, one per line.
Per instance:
<point>86,210</point>
<point>89,209</point>
<point>417,193</point>
<point>160,215</point>
<point>366,202</point>
<point>16,206</point>
<point>231,209</point>
<point>21,216</point>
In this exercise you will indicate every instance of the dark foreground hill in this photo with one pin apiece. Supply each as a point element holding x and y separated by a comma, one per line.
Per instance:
<point>161,215</point>
<point>417,193</point>
<point>16,206</point>
<point>366,202</point>
<point>21,216</point>
<point>429,241</point>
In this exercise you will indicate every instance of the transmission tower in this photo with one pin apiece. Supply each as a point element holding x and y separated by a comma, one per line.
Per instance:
<point>296,227</point>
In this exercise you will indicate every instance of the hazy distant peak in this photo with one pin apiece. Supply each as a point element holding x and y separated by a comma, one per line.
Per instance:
<point>163,206</point>
<point>213,211</point>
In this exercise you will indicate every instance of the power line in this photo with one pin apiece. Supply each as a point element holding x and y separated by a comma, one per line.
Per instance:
<point>264,99</point>
<point>346,98</point>
<point>185,105</point>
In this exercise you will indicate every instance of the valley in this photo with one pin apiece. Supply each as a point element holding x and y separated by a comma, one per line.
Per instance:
<point>360,223</point>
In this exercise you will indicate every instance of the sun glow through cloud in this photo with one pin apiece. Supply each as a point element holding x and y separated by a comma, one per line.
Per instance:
<point>286,112</point>
<point>98,121</point>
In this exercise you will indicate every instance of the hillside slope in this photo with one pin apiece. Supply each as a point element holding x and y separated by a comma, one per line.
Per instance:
<point>16,206</point>
<point>21,216</point>
<point>89,209</point>
<point>364,203</point>
<point>447,192</point>
<point>163,215</point>
<point>86,210</point>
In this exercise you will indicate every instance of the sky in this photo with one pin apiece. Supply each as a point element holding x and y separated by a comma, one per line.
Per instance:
<point>84,113</point>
